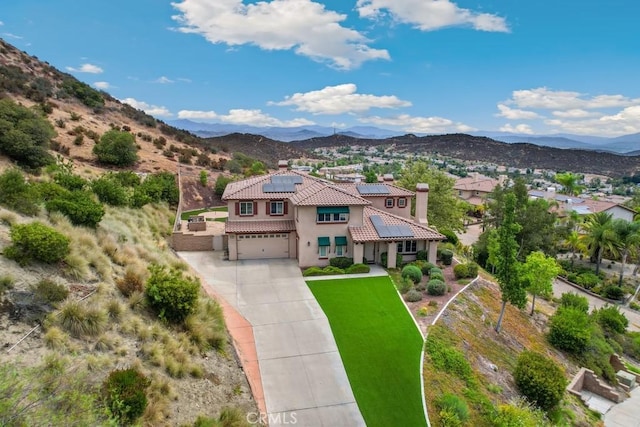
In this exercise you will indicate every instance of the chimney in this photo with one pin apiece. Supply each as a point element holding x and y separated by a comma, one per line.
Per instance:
<point>387,178</point>
<point>422,202</point>
<point>283,165</point>
<point>476,176</point>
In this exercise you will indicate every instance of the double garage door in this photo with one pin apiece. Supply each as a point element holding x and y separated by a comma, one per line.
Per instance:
<point>261,246</point>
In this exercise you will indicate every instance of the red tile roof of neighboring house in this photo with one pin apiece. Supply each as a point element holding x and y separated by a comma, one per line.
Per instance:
<point>251,188</point>
<point>367,232</point>
<point>482,184</point>
<point>266,226</point>
<point>321,194</point>
<point>394,190</point>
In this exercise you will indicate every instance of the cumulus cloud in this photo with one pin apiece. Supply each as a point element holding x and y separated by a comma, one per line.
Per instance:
<point>153,110</point>
<point>520,128</point>
<point>516,114</point>
<point>304,26</point>
<point>575,113</point>
<point>418,124</point>
<point>86,68</point>
<point>245,117</point>
<point>545,98</point>
<point>163,80</point>
<point>429,15</point>
<point>102,85</point>
<point>625,121</point>
<point>12,36</point>
<point>339,99</point>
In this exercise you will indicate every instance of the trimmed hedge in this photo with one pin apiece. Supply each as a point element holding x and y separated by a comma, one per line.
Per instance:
<point>412,272</point>
<point>436,287</point>
<point>466,270</point>
<point>540,380</point>
<point>446,256</point>
<point>413,296</point>
<point>341,262</point>
<point>319,271</point>
<point>357,269</point>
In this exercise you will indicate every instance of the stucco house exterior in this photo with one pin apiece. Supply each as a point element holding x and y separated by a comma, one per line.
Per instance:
<point>290,214</point>
<point>475,188</point>
<point>584,206</point>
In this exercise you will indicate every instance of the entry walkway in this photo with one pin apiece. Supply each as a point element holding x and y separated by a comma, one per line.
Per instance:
<point>302,373</point>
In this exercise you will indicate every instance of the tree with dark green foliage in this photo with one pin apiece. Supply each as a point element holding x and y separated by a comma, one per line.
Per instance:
<point>611,319</point>
<point>507,267</point>
<point>17,194</point>
<point>79,206</point>
<point>570,330</point>
<point>171,294</point>
<point>36,242</point>
<point>221,184</point>
<point>83,92</point>
<point>24,135</point>
<point>116,148</point>
<point>540,380</point>
<point>600,236</point>
<point>110,191</point>
<point>124,392</point>
<point>161,187</point>
<point>70,181</point>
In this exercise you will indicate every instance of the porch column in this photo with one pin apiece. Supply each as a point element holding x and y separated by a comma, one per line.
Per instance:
<point>358,253</point>
<point>433,251</point>
<point>392,251</point>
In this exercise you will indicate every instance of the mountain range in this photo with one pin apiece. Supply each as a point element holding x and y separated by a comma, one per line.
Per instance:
<point>626,144</point>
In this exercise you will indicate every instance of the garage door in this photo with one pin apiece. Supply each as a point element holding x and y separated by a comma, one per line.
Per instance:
<point>261,246</point>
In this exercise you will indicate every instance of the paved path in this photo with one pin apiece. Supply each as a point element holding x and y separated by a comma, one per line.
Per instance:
<point>560,287</point>
<point>301,370</point>
<point>625,414</point>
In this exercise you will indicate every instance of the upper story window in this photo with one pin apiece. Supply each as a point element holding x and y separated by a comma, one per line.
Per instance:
<point>402,202</point>
<point>276,208</point>
<point>388,202</point>
<point>246,208</point>
<point>332,214</point>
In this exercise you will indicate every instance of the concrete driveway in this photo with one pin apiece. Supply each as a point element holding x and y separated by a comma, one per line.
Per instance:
<point>302,373</point>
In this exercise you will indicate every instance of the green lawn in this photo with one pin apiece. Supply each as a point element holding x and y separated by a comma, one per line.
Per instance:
<point>380,347</point>
<point>185,215</point>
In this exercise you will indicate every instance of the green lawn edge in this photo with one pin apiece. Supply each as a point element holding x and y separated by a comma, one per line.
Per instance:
<point>380,347</point>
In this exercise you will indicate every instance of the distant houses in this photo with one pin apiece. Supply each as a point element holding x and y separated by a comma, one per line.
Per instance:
<point>564,205</point>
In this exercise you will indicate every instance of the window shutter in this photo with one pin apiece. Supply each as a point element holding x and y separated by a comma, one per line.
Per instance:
<point>286,207</point>
<point>394,202</point>
<point>268,208</point>
<point>255,208</point>
<point>237,208</point>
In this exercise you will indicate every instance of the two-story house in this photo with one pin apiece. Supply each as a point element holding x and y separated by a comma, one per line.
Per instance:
<point>289,214</point>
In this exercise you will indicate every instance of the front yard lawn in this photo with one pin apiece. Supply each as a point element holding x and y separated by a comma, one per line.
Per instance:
<point>380,347</point>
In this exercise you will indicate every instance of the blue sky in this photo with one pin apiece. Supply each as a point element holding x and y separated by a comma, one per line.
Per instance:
<point>428,66</point>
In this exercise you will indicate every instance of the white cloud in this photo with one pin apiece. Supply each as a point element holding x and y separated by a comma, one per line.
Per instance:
<point>428,15</point>
<point>12,36</point>
<point>545,98</point>
<point>418,124</point>
<point>516,114</point>
<point>626,121</point>
<point>302,25</point>
<point>575,113</point>
<point>520,128</point>
<point>102,85</point>
<point>163,80</point>
<point>184,80</point>
<point>86,68</point>
<point>1,23</point>
<point>246,117</point>
<point>153,110</point>
<point>339,99</point>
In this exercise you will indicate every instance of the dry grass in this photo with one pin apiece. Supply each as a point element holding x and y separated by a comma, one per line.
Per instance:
<point>206,326</point>
<point>79,320</point>
<point>8,218</point>
<point>56,339</point>
<point>133,279</point>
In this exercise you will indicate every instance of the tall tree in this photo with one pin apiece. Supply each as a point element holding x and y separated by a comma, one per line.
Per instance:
<point>507,268</point>
<point>600,236</point>
<point>569,182</point>
<point>538,273</point>
<point>445,210</point>
<point>574,242</point>
<point>628,239</point>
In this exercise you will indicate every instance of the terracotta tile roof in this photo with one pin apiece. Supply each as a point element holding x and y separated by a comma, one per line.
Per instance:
<point>266,226</point>
<point>394,190</point>
<point>367,232</point>
<point>324,194</point>
<point>251,188</point>
<point>471,183</point>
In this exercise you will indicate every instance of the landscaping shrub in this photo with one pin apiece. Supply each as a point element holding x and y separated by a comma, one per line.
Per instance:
<point>446,256</point>
<point>49,291</point>
<point>413,295</point>
<point>420,287</point>
<point>451,237</point>
<point>79,321</point>
<point>79,207</point>
<point>436,287</point>
<point>17,194</point>
<point>438,275</point>
<point>171,294</point>
<point>570,330</point>
<point>611,319</point>
<point>405,285</point>
<point>574,300</point>
<point>613,292</point>
<point>383,260</point>
<point>358,268</point>
<point>539,379</point>
<point>587,280</point>
<point>412,272</point>
<point>131,282</point>
<point>312,271</point>
<point>460,271</point>
<point>70,181</point>
<point>435,270</point>
<point>422,255</point>
<point>125,396</point>
<point>341,262</point>
<point>426,268</point>
<point>116,148</point>
<point>36,242</point>
<point>453,409</point>
<point>330,270</point>
<point>110,191</point>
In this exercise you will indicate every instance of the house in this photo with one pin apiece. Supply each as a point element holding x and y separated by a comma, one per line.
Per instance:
<point>289,214</point>
<point>583,206</point>
<point>475,188</point>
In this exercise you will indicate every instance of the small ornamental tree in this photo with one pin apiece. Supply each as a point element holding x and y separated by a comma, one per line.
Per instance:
<point>538,273</point>
<point>172,295</point>
<point>36,242</point>
<point>116,148</point>
<point>570,330</point>
<point>540,380</point>
<point>110,191</point>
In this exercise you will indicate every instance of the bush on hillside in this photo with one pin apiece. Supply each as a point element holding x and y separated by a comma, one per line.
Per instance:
<point>613,292</point>
<point>83,92</point>
<point>539,379</point>
<point>70,181</point>
<point>171,294</point>
<point>36,242</point>
<point>446,256</point>
<point>116,148</point>
<point>358,269</point>
<point>341,262</point>
<point>79,207</point>
<point>412,272</point>
<point>453,409</point>
<point>611,319</point>
<point>161,187</point>
<point>426,268</point>
<point>436,287</point>
<point>110,191</point>
<point>17,194</point>
<point>570,330</point>
<point>49,291</point>
<point>221,184</point>
<point>413,295</point>
<point>571,299</point>
<point>125,396</point>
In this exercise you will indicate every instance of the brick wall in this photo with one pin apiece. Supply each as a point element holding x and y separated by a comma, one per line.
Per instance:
<point>190,242</point>
<point>585,379</point>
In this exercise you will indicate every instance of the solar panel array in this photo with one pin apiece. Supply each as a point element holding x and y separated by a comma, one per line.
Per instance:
<point>283,187</point>
<point>386,231</point>
<point>372,189</point>
<point>286,179</point>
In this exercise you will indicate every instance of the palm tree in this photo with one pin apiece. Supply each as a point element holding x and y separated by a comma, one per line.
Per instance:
<point>569,182</point>
<point>600,236</point>
<point>628,238</point>
<point>575,244</point>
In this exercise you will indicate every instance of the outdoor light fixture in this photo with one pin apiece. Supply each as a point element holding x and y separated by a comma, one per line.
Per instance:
<point>308,243</point>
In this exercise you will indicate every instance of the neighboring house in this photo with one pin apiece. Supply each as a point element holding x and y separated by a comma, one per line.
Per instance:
<point>288,214</point>
<point>475,188</point>
<point>583,206</point>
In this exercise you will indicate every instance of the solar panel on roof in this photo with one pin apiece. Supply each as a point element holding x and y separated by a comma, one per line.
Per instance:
<point>387,231</point>
<point>286,179</point>
<point>286,187</point>
<point>372,189</point>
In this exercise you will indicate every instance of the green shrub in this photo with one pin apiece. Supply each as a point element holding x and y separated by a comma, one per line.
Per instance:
<point>331,270</point>
<point>110,191</point>
<point>312,271</point>
<point>539,379</point>
<point>422,255</point>
<point>49,291</point>
<point>613,292</point>
<point>412,272</point>
<point>570,330</point>
<point>420,287</point>
<point>405,285</point>
<point>83,92</point>
<point>446,358</point>
<point>446,256</point>
<point>171,294</point>
<point>357,269</point>
<point>36,242</point>
<point>453,406</point>
<point>435,270</point>
<point>460,271</point>
<point>341,262</point>
<point>17,194</point>
<point>221,184</point>
<point>634,306</point>
<point>79,207</point>
<point>611,319</point>
<point>6,283</point>
<point>519,414</point>
<point>631,344</point>
<point>70,181</point>
<point>79,321</point>
<point>438,275</point>
<point>383,260</point>
<point>436,287</point>
<point>588,279</point>
<point>124,392</point>
<point>413,295</point>
<point>116,148</point>
<point>158,187</point>
<point>571,299</point>
<point>426,268</point>
<point>451,237</point>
